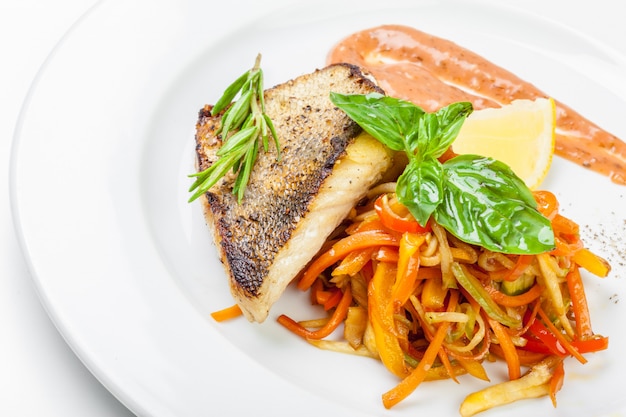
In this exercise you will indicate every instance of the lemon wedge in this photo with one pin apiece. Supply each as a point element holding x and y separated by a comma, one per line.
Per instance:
<point>520,134</point>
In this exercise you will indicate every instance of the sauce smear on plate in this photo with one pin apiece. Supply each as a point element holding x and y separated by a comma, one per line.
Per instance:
<point>433,72</point>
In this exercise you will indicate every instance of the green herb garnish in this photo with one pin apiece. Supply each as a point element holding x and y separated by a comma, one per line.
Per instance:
<point>479,200</point>
<point>246,123</point>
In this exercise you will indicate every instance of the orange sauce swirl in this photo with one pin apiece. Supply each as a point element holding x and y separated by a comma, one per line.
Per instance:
<point>433,72</point>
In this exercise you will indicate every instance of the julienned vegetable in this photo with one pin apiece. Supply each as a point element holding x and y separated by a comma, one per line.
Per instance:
<point>431,306</point>
<point>461,262</point>
<point>479,200</point>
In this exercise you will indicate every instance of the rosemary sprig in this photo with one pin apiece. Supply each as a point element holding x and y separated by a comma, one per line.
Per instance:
<point>243,124</point>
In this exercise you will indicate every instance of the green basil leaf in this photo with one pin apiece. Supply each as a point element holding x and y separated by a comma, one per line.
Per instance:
<point>420,188</point>
<point>486,204</point>
<point>437,131</point>
<point>388,119</point>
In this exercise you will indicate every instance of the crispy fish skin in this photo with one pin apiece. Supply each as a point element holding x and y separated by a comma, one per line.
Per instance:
<point>290,205</point>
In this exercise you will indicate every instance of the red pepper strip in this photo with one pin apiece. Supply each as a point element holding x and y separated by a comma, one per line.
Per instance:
<point>579,304</point>
<point>549,343</point>
<point>594,344</point>
<point>340,249</point>
<point>508,348</point>
<point>559,336</point>
<point>339,315</point>
<point>556,382</point>
<point>394,221</point>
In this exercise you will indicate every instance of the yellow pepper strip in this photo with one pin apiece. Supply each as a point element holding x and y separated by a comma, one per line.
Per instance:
<point>592,262</point>
<point>408,265</point>
<point>380,310</point>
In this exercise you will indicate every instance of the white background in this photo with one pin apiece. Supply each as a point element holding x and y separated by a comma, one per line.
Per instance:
<point>39,374</point>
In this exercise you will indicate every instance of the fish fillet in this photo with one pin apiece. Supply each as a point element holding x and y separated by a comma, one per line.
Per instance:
<point>290,206</point>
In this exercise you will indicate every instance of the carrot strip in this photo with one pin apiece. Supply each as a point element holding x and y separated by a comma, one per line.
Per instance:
<point>333,300</point>
<point>579,304</point>
<point>515,300</point>
<point>227,313</point>
<point>556,382</point>
<point>523,262</point>
<point>411,382</point>
<point>338,316</point>
<point>526,358</point>
<point>340,249</point>
<point>508,348</point>
<point>443,356</point>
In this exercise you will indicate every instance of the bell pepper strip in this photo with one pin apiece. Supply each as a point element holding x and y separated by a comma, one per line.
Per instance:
<point>566,248</point>
<point>408,265</point>
<point>594,344</point>
<point>549,342</point>
<point>335,320</point>
<point>341,249</point>
<point>534,384</point>
<point>547,203</point>
<point>560,337</point>
<point>476,290</point>
<point>592,262</point>
<point>387,254</point>
<point>380,311</point>
<point>580,307</point>
<point>354,262</point>
<point>394,221</point>
<point>227,313</point>
<point>515,300</point>
<point>508,348</point>
<point>563,225</point>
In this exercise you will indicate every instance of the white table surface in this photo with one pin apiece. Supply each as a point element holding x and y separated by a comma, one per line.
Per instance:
<point>39,374</point>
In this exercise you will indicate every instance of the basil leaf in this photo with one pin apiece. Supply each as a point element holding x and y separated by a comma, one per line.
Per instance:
<point>437,131</point>
<point>486,204</point>
<point>388,119</point>
<point>420,188</point>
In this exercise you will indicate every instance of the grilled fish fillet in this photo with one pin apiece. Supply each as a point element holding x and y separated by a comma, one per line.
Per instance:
<point>290,206</point>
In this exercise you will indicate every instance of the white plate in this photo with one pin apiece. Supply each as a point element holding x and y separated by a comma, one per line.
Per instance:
<point>126,267</point>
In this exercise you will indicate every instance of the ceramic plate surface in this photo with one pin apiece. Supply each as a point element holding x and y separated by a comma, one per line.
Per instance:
<point>126,267</point>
